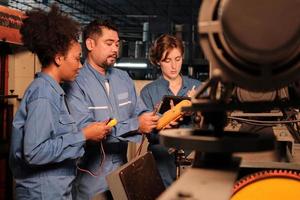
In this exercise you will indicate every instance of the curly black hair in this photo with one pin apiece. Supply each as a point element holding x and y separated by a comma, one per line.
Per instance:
<point>95,27</point>
<point>48,33</point>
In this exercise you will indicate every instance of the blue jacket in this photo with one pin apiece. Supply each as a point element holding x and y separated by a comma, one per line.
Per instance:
<point>152,95</point>
<point>89,101</point>
<point>45,143</point>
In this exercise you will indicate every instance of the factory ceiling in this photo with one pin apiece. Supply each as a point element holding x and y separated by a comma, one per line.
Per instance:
<point>129,15</point>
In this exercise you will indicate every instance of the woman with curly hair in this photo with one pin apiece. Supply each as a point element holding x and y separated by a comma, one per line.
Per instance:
<point>46,142</point>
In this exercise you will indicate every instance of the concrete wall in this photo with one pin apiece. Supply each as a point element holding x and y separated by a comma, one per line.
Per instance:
<point>22,67</point>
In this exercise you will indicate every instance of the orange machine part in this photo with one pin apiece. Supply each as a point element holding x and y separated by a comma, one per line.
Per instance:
<point>268,185</point>
<point>10,23</point>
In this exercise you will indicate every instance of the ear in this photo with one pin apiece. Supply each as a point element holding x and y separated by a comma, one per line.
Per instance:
<point>90,43</point>
<point>58,59</point>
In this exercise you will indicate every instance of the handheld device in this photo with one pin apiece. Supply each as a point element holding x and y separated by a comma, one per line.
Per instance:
<point>166,100</point>
<point>172,114</point>
<point>112,122</point>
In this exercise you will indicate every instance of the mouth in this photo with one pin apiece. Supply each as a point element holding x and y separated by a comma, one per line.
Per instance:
<point>112,58</point>
<point>76,73</point>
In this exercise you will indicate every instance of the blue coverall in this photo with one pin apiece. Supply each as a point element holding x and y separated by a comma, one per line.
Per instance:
<point>152,95</point>
<point>90,101</point>
<point>45,143</point>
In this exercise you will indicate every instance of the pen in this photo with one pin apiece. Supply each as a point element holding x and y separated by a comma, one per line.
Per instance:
<point>155,109</point>
<point>191,92</point>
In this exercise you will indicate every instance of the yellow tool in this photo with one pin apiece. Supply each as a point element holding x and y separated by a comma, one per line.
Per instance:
<point>172,114</point>
<point>112,122</point>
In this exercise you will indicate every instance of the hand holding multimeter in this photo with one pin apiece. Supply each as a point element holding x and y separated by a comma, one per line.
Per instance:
<point>98,130</point>
<point>169,113</point>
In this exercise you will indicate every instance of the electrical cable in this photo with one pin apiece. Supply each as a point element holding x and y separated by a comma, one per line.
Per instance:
<point>100,166</point>
<point>264,122</point>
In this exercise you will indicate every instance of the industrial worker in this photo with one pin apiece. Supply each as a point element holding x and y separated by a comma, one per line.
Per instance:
<point>45,141</point>
<point>167,53</point>
<point>102,92</point>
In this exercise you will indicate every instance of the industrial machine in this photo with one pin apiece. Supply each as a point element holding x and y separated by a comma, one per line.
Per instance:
<point>249,132</point>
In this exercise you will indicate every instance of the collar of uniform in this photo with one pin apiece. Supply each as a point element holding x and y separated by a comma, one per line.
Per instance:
<point>164,82</point>
<point>184,82</point>
<point>52,82</point>
<point>97,74</point>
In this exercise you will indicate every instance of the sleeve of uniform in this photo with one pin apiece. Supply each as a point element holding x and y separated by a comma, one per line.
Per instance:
<point>147,99</point>
<point>131,125</point>
<point>41,143</point>
<point>78,105</point>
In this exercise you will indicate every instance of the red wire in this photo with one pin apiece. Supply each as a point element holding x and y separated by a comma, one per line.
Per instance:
<point>101,164</point>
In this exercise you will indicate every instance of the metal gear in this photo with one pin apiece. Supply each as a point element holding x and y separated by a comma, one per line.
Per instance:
<point>269,184</point>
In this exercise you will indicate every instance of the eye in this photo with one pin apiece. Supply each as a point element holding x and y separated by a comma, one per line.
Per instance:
<point>109,43</point>
<point>77,58</point>
<point>167,60</point>
<point>178,58</point>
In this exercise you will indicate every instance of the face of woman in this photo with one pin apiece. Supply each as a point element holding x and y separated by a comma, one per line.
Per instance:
<point>171,63</point>
<point>71,65</point>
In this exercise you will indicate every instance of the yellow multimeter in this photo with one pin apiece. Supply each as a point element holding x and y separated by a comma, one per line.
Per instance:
<point>112,122</point>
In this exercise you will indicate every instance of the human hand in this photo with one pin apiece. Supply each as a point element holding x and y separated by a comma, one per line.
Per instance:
<point>173,124</point>
<point>191,92</point>
<point>147,122</point>
<point>96,131</point>
<point>173,114</point>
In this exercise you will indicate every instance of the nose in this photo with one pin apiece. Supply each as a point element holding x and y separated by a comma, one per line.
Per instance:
<point>80,65</point>
<point>115,48</point>
<point>173,64</point>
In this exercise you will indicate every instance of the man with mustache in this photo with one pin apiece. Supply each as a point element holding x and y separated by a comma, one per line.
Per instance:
<point>99,93</point>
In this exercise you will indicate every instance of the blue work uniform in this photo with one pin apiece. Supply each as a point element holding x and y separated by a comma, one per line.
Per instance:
<point>152,95</point>
<point>91,99</point>
<point>45,143</point>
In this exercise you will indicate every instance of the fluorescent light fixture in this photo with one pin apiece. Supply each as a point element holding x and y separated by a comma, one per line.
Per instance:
<point>131,65</point>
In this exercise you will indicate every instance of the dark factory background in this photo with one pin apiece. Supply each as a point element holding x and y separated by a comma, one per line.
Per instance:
<point>139,23</point>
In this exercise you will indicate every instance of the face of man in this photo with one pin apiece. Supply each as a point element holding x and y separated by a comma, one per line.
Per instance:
<point>104,49</point>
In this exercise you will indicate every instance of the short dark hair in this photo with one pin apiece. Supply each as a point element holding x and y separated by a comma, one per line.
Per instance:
<point>164,43</point>
<point>48,33</point>
<point>95,27</point>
